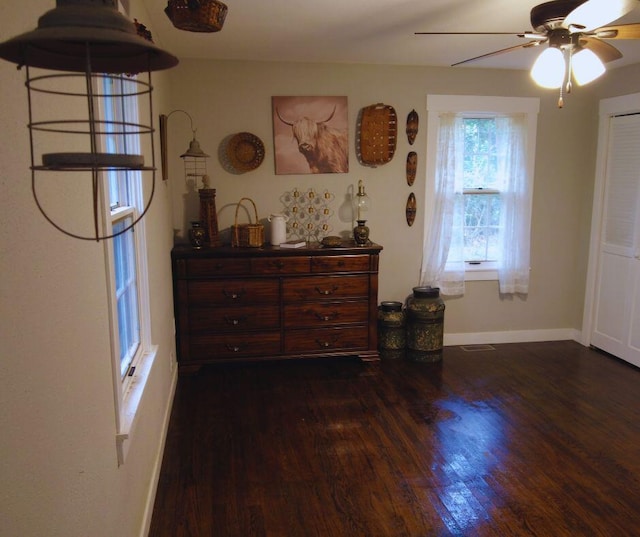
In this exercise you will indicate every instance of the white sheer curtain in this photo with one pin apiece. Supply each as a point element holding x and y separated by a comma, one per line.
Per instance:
<point>513,267</point>
<point>443,257</point>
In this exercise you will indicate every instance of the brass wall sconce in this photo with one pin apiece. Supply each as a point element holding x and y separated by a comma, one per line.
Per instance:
<point>195,168</point>
<point>194,158</point>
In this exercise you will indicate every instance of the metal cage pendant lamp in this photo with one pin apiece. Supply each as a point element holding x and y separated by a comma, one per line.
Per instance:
<point>86,42</point>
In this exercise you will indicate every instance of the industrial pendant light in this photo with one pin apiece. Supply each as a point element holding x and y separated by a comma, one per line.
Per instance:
<point>85,42</point>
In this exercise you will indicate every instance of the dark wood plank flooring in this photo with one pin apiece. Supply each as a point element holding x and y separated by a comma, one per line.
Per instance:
<point>528,439</point>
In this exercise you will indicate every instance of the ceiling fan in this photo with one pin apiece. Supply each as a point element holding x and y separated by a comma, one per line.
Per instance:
<point>573,28</point>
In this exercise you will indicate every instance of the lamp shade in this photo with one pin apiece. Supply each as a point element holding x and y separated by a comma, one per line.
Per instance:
<point>63,34</point>
<point>586,66</point>
<point>549,69</point>
<point>363,201</point>
<point>194,150</point>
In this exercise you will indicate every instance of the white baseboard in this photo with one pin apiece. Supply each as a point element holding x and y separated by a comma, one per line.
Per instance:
<point>157,466</point>
<point>513,336</point>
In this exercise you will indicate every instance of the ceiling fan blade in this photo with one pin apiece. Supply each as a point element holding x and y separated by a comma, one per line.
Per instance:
<point>467,33</point>
<point>602,49</point>
<point>621,31</point>
<point>501,51</point>
<point>595,13</point>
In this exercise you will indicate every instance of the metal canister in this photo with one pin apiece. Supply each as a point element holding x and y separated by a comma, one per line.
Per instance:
<point>391,330</point>
<point>425,324</point>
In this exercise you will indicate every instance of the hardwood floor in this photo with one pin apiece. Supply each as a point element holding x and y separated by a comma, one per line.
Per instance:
<point>528,439</point>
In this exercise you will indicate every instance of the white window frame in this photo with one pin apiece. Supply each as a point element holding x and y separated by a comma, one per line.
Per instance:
<point>476,106</point>
<point>128,390</point>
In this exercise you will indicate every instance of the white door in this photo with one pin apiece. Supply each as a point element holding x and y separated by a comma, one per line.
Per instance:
<point>616,319</point>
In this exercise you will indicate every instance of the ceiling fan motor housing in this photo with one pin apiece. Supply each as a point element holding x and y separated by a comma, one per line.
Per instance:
<point>550,15</point>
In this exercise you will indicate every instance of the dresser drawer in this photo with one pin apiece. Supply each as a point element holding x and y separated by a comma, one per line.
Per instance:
<point>233,292</point>
<point>344,263</point>
<point>325,287</point>
<point>234,319</point>
<point>324,340</point>
<point>280,265</point>
<point>318,314</point>
<point>208,268</point>
<point>216,346</point>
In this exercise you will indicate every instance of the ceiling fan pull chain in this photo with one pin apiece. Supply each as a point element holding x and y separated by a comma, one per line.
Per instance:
<point>561,99</point>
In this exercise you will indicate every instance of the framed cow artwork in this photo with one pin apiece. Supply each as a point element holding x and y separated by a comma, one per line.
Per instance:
<point>310,135</point>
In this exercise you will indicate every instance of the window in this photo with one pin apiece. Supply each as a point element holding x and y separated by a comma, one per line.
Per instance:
<point>132,352</point>
<point>481,191</point>
<point>119,110</point>
<point>480,158</point>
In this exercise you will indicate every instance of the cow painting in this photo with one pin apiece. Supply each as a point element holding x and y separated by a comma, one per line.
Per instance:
<point>323,146</point>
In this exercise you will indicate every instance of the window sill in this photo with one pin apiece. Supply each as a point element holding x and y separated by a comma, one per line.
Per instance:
<point>131,402</point>
<point>482,272</point>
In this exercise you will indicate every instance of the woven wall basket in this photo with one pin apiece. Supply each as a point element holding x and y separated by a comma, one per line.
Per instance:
<point>377,134</point>
<point>197,15</point>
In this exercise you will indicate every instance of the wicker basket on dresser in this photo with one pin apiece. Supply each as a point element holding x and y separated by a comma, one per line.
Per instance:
<point>270,303</point>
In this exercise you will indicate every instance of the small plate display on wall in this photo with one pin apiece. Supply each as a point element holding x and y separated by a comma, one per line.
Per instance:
<point>245,152</point>
<point>412,165</point>
<point>411,209</point>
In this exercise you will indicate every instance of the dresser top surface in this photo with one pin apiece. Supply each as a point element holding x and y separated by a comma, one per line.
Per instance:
<point>348,247</point>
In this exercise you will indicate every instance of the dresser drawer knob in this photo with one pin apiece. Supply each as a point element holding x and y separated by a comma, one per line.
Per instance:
<point>326,344</point>
<point>234,295</point>
<point>235,321</point>
<point>327,316</point>
<point>233,348</point>
<point>327,292</point>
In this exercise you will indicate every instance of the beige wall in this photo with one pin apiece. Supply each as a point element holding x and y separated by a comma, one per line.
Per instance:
<point>228,97</point>
<point>58,466</point>
<point>58,472</point>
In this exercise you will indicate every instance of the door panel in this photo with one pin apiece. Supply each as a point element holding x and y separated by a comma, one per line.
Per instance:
<point>616,326</point>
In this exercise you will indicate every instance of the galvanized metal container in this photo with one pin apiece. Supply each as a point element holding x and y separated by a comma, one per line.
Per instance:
<point>391,330</point>
<point>425,324</point>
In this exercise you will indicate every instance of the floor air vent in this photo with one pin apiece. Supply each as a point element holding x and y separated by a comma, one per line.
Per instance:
<point>475,348</point>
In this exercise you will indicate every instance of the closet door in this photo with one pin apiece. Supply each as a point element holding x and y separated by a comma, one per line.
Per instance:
<point>616,327</point>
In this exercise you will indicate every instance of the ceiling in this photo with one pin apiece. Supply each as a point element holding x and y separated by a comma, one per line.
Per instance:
<point>366,31</point>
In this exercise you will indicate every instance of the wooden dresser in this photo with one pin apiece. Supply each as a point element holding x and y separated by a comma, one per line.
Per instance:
<point>273,303</point>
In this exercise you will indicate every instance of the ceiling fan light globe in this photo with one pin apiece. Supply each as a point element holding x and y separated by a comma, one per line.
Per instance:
<point>548,70</point>
<point>586,67</point>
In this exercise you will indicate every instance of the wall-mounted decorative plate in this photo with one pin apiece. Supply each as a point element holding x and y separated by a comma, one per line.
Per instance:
<point>412,166</point>
<point>245,152</point>
<point>411,209</point>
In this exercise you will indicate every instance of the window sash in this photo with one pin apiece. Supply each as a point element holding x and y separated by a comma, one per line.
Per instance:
<point>126,291</point>
<point>481,225</point>
<point>122,188</point>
